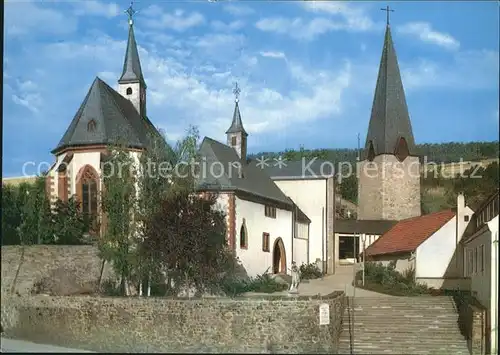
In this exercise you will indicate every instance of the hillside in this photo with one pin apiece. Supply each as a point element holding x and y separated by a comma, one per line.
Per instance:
<point>429,152</point>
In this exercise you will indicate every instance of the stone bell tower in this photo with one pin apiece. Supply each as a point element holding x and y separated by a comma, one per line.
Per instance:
<point>389,170</point>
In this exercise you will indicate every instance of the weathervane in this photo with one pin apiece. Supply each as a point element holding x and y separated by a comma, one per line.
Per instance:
<point>130,12</point>
<point>236,92</point>
<point>387,9</point>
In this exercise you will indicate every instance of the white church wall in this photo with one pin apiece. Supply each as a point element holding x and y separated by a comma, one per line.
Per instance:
<point>80,159</point>
<point>310,196</point>
<point>254,259</point>
<point>300,245</point>
<point>54,176</point>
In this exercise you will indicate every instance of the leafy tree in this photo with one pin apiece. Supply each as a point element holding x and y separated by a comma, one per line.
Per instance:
<point>349,188</point>
<point>119,201</point>
<point>68,223</point>
<point>187,235</point>
<point>11,215</point>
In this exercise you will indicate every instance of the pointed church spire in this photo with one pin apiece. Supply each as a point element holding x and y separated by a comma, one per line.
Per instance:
<point>390,128</point>
<point>132,72</point>
<point>237,123</point>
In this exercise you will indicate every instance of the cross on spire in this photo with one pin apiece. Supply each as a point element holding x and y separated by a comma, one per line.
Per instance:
<point>387,9</point>
<point>236,92</point>
<point>130,12</point>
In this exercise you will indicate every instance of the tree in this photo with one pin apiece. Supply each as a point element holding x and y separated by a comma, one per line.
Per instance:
<point>119,201</point>
<point>187,235</point>
<point>68,223</point>
<point>349,188</point>
<point>11,216</point>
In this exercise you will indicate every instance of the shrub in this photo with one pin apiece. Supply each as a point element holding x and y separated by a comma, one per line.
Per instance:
<point>386,279</point>
<point>264,283</point>
<point>309,271</point>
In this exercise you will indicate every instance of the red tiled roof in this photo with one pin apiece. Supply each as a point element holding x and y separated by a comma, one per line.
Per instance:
<point>408,234</point>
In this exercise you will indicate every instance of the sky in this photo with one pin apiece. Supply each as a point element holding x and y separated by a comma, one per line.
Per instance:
<point>307,69</point>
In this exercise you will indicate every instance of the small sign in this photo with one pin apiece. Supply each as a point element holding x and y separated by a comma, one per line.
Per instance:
<point>324,314</point>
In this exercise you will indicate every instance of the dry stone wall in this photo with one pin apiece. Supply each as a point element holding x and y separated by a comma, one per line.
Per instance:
<point>272,324</point>
<point>23,267</point>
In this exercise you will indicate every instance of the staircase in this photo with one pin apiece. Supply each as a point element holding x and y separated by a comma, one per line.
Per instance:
<point>401,325</point>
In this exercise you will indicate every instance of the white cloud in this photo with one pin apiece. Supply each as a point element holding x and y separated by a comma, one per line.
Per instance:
<point>238,10</point>
<point>96,8</point>
<point>354,16</point>
<point>26,94</point>
<point>309,29</point>
<point>203,97</point>
<point>273,54</point>
<point>28,18</point>
<point>232,26</point>
<point>469,70</point>
<point>177,20</point>
<point>425,33</point>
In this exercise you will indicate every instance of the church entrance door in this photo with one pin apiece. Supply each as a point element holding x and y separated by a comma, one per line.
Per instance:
<point>279,257</point>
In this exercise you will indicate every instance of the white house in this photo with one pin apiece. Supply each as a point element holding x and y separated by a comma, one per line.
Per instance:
<point>428,244</point>
<point>310,184</point>
<point>480,260</point>
<point>265,227</point>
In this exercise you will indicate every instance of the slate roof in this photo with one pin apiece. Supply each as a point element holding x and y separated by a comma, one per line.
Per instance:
<point>254,180</point>
<point>300,169</point>
<point>115,120</point>
<point>132,71</point>
<point>376,227</point>
<point>389,119</point>
<point>237,123</point>
<point>408,234</point>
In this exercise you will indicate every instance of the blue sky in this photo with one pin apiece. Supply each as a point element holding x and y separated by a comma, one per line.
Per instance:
<point>307,70</point>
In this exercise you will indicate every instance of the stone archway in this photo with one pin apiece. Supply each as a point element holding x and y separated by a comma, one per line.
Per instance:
<point>279,257</point>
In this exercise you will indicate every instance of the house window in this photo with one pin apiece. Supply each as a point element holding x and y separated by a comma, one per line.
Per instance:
<point>91,126</point>
<point>243,236</point>
<point>475,260</point>
<point>466,218</point>
<point>481,254</point>
<point>470,262</point>
<point>233,140</point>
<point>265,241</point>
<point>270,211</point>
<point>129,91</point>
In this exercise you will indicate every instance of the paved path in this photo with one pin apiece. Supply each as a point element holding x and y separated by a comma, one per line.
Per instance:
<point>21,346</point>
<point>340,281</point>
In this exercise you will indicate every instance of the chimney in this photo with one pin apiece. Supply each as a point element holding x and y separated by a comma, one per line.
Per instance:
<point>463,217</point>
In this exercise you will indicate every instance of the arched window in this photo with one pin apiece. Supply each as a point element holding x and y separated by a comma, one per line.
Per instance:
<point>402,150</point>
<point>91,126</point>
<point>243,236</point>
<point>129,91</point>
<point>88,194</point>
<point>371,151</point>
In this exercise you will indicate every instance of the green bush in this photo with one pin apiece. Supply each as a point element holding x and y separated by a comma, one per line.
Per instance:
<point>309,271</point>
<point>385,279</point>
<point>264,283</point>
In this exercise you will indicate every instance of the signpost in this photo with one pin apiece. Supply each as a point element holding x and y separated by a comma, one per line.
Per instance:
<point>324,314</point>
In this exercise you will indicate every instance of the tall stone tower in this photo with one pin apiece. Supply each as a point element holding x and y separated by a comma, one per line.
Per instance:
<point>131,84</point>
<point>389,170</point>
<point>236,134</point>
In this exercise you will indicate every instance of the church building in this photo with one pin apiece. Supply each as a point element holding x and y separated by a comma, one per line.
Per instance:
<point>265,227</point>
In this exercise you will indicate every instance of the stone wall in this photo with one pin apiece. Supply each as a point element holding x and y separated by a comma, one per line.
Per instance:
<point>274,324</point>
<point>22,267</point>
